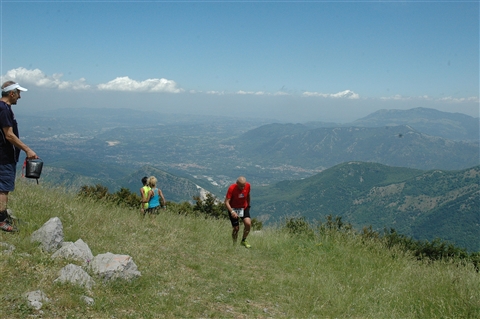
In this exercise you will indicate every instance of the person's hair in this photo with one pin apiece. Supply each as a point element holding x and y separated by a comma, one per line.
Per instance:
<point>241,180</point>
<point>152,181</point>
<point>144,180</point>
<point>4,85</point>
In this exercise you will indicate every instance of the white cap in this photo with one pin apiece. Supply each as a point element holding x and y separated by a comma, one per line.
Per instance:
<point>13,87</point>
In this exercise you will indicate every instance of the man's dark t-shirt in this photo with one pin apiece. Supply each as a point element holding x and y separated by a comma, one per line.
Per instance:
<point>9,154</point>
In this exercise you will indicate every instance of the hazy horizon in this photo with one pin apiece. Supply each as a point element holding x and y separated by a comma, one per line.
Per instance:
<point>288,61</point>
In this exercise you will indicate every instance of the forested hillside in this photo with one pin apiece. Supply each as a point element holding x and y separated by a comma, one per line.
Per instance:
<point>422,204</point>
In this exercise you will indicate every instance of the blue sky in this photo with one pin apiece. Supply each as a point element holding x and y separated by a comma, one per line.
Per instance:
<point>285,60</point>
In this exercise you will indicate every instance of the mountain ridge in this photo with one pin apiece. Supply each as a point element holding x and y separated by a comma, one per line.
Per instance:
<point>411,201</point>
<point>325,147</point>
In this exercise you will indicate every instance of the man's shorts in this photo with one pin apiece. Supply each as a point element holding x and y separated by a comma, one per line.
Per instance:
<point>7,177</point>
<point>235,221</point>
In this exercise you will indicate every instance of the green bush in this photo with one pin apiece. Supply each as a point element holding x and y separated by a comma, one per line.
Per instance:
<point>210,206</point>
<point>298,226</point>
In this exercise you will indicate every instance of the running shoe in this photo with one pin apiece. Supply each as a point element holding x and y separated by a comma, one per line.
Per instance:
<point>244,243</point>
<point>6,226</point>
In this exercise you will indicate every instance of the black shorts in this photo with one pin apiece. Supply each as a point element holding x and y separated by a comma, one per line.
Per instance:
<point>7,177</point>
<point>154,210</point>
<point>235,221</point>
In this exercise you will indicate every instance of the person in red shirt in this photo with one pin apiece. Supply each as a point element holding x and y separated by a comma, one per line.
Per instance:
<point>238,205</point>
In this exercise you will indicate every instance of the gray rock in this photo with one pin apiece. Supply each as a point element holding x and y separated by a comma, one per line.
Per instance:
<point>76,275</point>
<point>78,250</point>
<point>36,298</point>
<point>89,301</point>
<point>110,266</point>
<point>8,248</point>
<point>50,235</point>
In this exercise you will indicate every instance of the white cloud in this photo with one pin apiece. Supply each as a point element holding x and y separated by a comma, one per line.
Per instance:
<point>347,94</point>
<point>150,85</point>
<point>38,78</point>
<point>396,97</point>
<point>251,93</point>
<point>215,92</point>
<point>459,100</point>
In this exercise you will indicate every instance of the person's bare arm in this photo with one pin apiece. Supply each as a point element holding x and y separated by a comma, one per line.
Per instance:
<point>163,203</point>
<point>12,138</point>
<point>227,203</point>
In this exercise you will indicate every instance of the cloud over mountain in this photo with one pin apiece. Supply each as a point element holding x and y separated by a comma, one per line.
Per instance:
<point>150,85</point>
<point>38,78</point>
<point>348,94</point>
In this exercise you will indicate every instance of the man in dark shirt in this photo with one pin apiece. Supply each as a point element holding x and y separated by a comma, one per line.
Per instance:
<point>10,147</point>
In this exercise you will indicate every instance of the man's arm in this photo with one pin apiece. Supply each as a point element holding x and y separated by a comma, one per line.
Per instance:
<point>227,203</point>
<point>232,212</point>
<point>12,138</point>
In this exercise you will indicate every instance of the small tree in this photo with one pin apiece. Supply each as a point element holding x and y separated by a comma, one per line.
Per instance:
<point>126,198</point>
<point>256,224</point>
<point>96,192</point>
<point>210,206</point>
<point>183,208</point>
<point>298,226</point>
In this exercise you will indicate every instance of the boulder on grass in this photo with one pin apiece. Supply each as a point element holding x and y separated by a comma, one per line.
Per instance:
<point>78,250</point>
<point>110,266</point>
<point>50,235</point>
<point>75,275</point>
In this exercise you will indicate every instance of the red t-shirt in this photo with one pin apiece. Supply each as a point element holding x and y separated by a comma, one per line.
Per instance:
<point>238,197</point>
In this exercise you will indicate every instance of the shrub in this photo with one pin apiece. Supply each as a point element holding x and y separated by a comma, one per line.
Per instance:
<point>210,206</point>
<point>298,226</point>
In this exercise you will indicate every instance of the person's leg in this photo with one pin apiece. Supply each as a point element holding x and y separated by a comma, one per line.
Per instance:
<point>235,227</point>
<point>7,183</point>
<point>3,201</point>
<point>235,233</point>
<point>247,224</point>
<point>5,222</point>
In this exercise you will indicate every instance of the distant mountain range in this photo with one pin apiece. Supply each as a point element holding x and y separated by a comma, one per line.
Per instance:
<point>452,126</point>
<point>122,141</point>
<point>414,170</point>
<point>299,145</point>
<point>421,204</point>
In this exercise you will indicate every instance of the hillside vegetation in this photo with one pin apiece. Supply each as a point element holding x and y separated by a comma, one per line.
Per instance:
<point>421,204</point>
<point>174,188</point>
<point>190,269</point>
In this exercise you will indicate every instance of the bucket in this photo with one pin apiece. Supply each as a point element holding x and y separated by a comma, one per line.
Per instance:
<point>33,168</point>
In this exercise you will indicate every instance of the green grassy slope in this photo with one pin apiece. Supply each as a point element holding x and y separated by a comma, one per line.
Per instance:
<point>190,269</point>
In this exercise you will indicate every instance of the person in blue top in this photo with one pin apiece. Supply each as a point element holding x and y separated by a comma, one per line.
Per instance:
<point>155,196</point>
<point>10,147</point>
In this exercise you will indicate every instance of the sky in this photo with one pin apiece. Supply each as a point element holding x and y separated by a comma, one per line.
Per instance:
<point>291,61</point>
